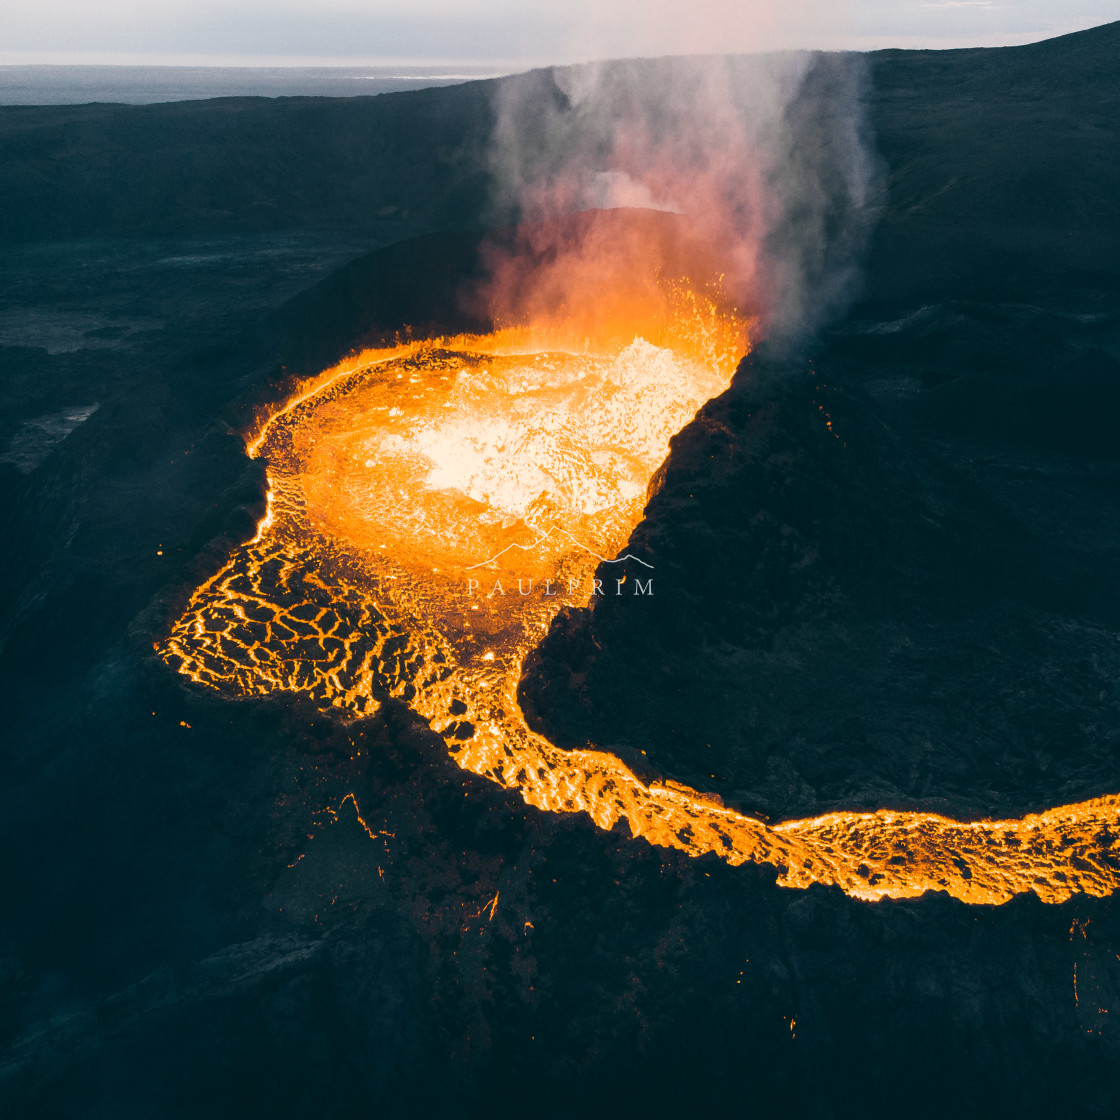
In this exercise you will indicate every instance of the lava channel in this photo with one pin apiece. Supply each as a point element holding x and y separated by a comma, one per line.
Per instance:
<point>407,488</point>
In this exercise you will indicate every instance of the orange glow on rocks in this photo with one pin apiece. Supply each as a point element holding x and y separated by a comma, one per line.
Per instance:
<point>432,507</point>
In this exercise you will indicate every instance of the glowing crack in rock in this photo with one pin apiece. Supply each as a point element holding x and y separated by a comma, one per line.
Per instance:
<point>397,479</point>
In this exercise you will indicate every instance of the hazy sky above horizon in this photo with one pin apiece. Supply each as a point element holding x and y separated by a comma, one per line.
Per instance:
<point>233,32</point>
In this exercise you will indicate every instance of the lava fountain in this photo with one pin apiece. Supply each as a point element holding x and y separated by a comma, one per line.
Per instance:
<point>432,507</point>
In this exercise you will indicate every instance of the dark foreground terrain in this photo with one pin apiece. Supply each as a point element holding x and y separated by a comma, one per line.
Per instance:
<point>888,563</point>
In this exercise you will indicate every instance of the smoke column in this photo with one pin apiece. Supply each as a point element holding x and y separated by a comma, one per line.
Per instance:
<point>765,163</point>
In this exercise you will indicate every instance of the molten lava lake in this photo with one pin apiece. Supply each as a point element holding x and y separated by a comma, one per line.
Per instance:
<point>432,509</point>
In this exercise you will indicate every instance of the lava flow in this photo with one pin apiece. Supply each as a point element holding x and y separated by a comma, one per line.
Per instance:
<point>432,508</point>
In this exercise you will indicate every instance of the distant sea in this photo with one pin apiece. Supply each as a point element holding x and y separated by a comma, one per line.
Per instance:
<point>146,85</point>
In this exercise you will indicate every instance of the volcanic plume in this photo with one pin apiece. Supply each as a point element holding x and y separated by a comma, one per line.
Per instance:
<point>766,162</point>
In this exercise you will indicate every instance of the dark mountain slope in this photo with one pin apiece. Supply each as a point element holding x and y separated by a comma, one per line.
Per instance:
<point>1004,166</point>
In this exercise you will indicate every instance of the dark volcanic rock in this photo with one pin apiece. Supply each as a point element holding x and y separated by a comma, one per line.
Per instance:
<point>916,603</point>
<point>838,617</point>
<point>1004,166</point>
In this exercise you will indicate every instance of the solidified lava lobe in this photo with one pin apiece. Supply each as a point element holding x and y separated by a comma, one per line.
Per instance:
<point>431,511</point>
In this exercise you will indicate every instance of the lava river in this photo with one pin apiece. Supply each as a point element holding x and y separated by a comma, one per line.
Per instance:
<point>432,508</point>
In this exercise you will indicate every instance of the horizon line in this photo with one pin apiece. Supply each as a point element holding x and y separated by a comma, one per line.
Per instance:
<point>172,60</point>
<point>507,65</point>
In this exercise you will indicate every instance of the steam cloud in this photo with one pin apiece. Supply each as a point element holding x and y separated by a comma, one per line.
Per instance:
<point>765,163</point>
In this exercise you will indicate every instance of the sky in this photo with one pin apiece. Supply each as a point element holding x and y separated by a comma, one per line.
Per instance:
<point>507,32</point>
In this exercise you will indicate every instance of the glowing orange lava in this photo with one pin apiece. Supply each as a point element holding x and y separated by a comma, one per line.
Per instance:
<point>430,510</point>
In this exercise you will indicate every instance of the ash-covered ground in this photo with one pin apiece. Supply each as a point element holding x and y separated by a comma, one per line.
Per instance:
<point>885,567</point>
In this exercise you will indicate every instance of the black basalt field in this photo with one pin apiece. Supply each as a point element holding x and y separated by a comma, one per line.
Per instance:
<point>885,577</point>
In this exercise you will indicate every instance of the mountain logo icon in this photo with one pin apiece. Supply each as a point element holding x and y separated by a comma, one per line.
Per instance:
<point>561,532</point>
